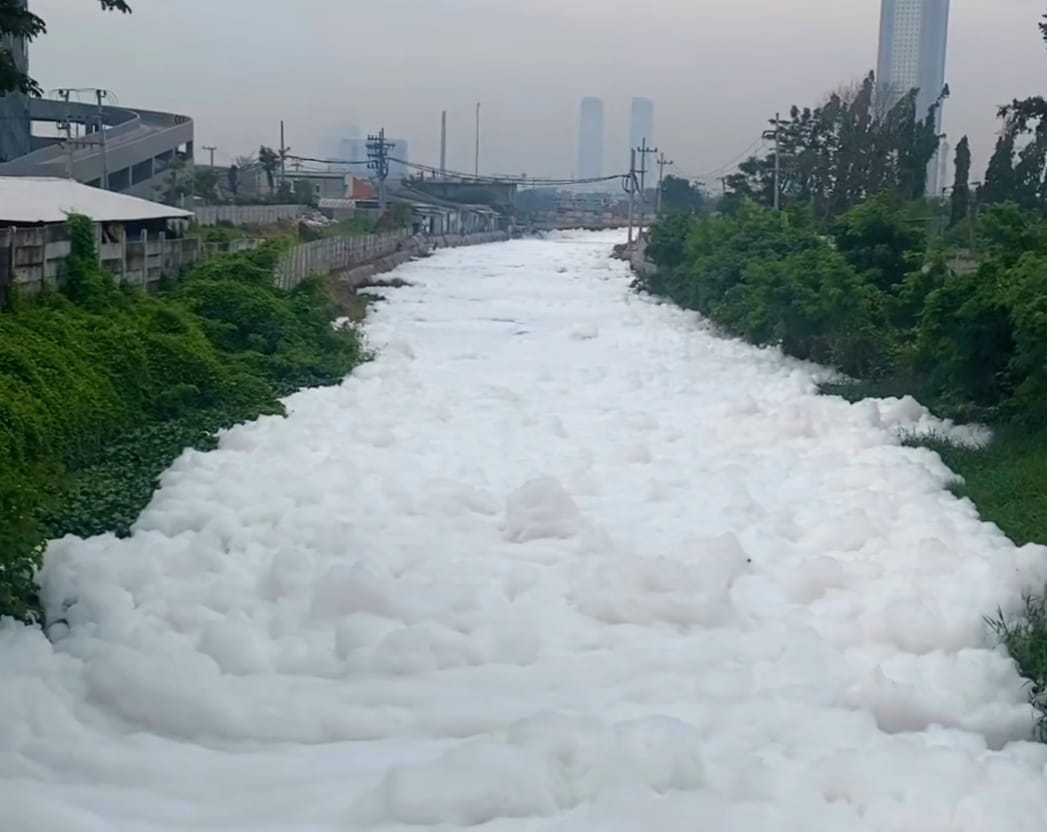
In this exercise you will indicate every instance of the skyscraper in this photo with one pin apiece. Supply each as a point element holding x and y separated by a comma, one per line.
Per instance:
<point>590,139</point>
<point>641,123</point>
<point>913,40</point>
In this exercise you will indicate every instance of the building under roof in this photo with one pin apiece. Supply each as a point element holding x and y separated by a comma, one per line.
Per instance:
<point>30,200</point>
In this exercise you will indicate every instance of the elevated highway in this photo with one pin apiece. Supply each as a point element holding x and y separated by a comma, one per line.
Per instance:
<point>139,146</point>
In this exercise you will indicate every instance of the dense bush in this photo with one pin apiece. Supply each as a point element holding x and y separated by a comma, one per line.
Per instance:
<point>771,279</point>
<point>102,387</point>
<point>868,297</point>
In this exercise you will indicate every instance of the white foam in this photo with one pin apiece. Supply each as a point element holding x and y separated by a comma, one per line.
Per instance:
<point>558,559</point>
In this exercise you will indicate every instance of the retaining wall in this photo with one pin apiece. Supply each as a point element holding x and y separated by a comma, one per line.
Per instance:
<point>208,215</point>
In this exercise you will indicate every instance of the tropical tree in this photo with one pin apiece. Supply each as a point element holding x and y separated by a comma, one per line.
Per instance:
<point>177,184</point>
<point>232,178</point>
<point>961,187</point>
<point>205,183</point>
<point>269,160</point>
<point>17,23</point>
<point>849,148</point>
<point>1020,175</point>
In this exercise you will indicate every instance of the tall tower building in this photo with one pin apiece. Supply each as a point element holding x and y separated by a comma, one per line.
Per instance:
<point>914,37</point>
<point>15,126</point>
<point>641,122</point>
<point>590,139</point>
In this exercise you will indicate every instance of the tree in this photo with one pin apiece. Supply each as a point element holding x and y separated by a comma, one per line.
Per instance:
<point>880,241</point>
<point>961,188</point>
<point>285,193</point>
<point>269,159</point>
<point>1024,181</point>
<point>178,183</point>
<point>849,148</point>
<point>1000,181</point>
<point>18,23</point>
<point>304,193</point>
<point>679,194</point>
<point>205,184</point>
<point>232,178</point>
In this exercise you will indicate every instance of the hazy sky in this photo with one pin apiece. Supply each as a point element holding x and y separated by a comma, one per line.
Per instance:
<point>716,69</point>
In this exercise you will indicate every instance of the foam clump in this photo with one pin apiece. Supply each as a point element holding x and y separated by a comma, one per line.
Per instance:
<point>541,509</point>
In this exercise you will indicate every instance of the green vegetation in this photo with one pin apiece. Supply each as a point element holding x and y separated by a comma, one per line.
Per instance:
<point>946,300</point>
<point>1026,641</point>
<point>102,387</point>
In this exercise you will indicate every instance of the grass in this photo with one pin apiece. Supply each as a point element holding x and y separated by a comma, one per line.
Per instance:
<point>1026,641</point>
<point>1007,480</point>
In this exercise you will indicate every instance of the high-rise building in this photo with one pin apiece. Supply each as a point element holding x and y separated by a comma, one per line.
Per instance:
<point>590,139</point>
<point>913,40</point>
<point>15,125</point>
<point>641,123</point>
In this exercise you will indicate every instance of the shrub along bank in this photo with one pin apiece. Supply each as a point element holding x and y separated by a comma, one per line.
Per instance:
<point>869,296</point>
<point>102,387</point>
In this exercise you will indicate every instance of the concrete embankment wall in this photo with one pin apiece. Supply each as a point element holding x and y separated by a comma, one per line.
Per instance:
<point>358,275</point>
<point>208,215</point>
<point>35,257</point>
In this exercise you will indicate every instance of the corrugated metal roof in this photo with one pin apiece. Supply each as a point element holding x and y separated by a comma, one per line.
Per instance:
<point>32,199</point>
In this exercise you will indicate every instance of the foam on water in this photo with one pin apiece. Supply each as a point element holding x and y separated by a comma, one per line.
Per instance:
<point>558,559</point>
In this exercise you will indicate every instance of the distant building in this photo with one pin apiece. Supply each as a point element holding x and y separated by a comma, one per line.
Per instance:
<point>590,139</point>
<point>913,41</point>
<point>15,124</point>
<point>641,123</point>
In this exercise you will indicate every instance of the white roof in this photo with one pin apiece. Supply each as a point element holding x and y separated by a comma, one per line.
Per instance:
<point>38,199</point>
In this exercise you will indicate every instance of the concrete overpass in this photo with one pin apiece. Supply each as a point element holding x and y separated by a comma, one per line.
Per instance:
<point>139,146</point>
<point>571,221</point>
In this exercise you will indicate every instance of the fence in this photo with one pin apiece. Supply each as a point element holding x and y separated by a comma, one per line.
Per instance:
<point>207,215</point>
<point>336,254</point>
<point>31,258</point>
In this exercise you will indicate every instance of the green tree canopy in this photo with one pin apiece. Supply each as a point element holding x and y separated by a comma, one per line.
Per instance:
<point>844,151</point>
<point>961,187</point>
<point>679,194</point>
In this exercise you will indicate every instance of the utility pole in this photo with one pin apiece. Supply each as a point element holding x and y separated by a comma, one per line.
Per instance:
<point>644,151</point>
<point>100,95</point>
<point>662,165</point>
<point>211,149</point>
<point>631,186</point>
<point>68,125</point>
<point>776,135</point>
<point>443,145</point>
<point>378,161</point>
<point>476,167</point>
<point>283,154</point>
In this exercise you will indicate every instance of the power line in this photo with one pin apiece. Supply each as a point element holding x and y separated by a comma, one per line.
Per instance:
<point>756,145</point>
<point>508,179</point>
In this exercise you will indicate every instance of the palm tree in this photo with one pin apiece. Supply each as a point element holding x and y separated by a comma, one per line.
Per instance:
<point>269,159</point>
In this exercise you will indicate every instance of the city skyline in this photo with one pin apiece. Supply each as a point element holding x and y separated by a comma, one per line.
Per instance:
<point>712,100</point>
